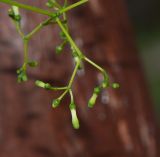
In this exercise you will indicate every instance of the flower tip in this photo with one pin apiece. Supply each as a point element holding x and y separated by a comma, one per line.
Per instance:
<point>115,85</point>
<point>55,103</point>
<point>75,121</point>
<point>40,83</point>
<point>76,124</point>
<point>92,100</point>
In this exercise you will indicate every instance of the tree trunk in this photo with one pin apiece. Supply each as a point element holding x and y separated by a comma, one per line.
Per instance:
<point>120,125</point>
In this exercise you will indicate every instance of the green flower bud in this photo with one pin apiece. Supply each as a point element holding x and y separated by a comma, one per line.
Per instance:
<point>59,49</point>
<point>14,13</point>
<point>75,121</point>
<point>47,86</point>
<point>40,84</point>
<point>22,76</point>
<point>32,63</point>
<point>92,100</point>
<point>49,5</point>
<point>104,84</point>
<point>56,103</point>
<point>115,85</point>
<point>97,90</point>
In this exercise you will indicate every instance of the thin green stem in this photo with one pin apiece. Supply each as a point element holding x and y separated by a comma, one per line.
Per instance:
<point>57,5</point>
<point>71,95</point>
<point>37,28</point>
<point>71,81</point>
<point>27,7</point>
<point>94,64</point>
<point>63,94</point>
<point>42,11</point>
<point>25,43</point>
<point>58,88</point>
<point>18,28</point>
<point>74,74</point>
<point>73,6</point>
<point>70,40</point>
<point>97,66</point>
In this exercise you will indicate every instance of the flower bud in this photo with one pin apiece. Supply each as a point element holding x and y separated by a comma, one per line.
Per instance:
<point>47,86</point>
<point>32,63</point>
<point>56,103</point>
<point>59,49</point>
<point>75,121</point>
<point>14,13</point>
<point>97,90</point>
<point>50,3</point>
<point>22,76</point>
<point>104,84</point>
<point>115,85</point>
<point>40,84</point>
<point>92,100</point>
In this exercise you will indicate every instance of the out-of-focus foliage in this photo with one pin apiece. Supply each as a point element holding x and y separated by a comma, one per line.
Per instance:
<point>145,19</point>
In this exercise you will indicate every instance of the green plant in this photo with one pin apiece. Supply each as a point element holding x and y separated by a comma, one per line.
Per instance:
<point>57,16</point>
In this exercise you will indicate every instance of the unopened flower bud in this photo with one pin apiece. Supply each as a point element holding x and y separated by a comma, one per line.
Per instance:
<point>59,49</point>
<point>56,103</point>
<point>40,84</point>
<point>115,85</point>
<point>75,121</point>
<point>92,100</point>
<point>14,13</point>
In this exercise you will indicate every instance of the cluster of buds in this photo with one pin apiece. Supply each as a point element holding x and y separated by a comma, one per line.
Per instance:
<point>98,89</point>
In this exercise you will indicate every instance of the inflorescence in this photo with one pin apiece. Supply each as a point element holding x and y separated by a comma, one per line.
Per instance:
<point>56,16</point>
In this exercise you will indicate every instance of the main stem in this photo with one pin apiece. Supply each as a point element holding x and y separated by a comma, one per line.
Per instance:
<point>42,11</point>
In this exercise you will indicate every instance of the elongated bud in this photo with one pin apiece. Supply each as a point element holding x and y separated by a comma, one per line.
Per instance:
<point>75,121</point>
<point>115,85</point>
<point>43,85</point>
<point>93,99</point>
<point>56,103</point>
<point>40,83</point>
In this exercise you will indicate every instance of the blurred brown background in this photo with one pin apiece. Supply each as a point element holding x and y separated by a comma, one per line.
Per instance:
<point>122,124</point>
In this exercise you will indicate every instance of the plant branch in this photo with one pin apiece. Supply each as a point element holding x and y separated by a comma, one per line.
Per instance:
<point>70,40</point>
<point>42,11</point>
<point>27,7</point>
<point>73,6</point>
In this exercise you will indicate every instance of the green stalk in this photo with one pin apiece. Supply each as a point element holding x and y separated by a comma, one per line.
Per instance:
<point>25,43</point>
<point>70,40</point>
<point>72,6</point>
<point>71,80</point>
<point>42,11</point>
<point>98,67</point>
<point>74,74</point>
<point>27,7</point>
<point>37,28</point>
<point>58,88</point>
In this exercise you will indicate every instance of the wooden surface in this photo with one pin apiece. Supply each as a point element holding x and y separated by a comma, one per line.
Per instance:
<point>120,125</point>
